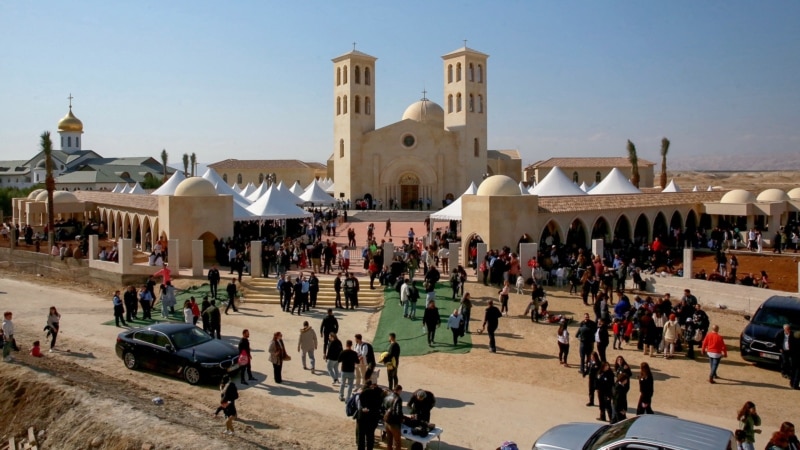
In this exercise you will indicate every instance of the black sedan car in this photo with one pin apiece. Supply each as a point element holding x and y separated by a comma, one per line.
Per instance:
<point>179,349</point>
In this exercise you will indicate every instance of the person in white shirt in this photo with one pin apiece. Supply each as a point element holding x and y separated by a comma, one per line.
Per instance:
<point>8,336</point>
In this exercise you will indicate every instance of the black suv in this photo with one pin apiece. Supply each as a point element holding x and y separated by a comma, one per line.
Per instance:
<point>758,337</point>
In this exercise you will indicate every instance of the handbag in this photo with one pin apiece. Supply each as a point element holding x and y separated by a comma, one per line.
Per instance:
<point>698,335</point>
<point>243,358</point>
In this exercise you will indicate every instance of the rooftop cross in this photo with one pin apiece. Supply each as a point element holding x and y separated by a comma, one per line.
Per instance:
<point>354,46</point>
<point>70,100</point>
<point>465,43</point>
<point>423,94</point>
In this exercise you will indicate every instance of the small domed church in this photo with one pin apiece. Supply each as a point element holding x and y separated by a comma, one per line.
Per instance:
<point>432,154</point>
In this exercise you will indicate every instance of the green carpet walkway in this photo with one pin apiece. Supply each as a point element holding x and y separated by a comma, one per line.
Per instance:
<point>411,336</point>
<point>181,295</point>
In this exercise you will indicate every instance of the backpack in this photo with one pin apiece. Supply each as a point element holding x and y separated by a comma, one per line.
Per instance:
<point>351,407</point>
<point>413,293</point>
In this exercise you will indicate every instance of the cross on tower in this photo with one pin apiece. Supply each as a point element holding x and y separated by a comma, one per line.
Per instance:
<point>465,43</point>
<point>423,94</point>
<point>70,100</point>
<point>354,46</point>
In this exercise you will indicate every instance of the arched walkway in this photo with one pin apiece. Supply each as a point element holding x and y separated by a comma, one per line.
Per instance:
<point>576,235</point>
<point>601,230</point>
<point>551,235</point>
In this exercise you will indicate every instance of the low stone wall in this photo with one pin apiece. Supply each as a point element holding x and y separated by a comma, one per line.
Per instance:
<point>45,265</point>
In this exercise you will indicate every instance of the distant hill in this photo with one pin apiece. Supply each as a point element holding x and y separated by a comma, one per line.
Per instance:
<point>756,162</point>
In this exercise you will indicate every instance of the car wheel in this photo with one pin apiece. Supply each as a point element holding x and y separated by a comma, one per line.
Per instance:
<point>130,360</point>
<point>191,374</point>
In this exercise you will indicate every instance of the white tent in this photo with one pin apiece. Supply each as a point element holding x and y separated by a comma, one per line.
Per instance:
<point>694,189</point>
<point>709,188</point>
<point>235,188</point>
<point>453,210</point>
<point>249,189</point>
<point>124,189</point>
<point>530,189</point>
<point>222,187</point>
<point>671,187</point>
<point>273,205</point>
<point>556,184</point>
<point>522,189</point>
<point>614,183</point>
<point>584,187</point>
<point>168,188</point>
<point>288,194</point>
<point>258,192</point>
<point>116,189</point>
<point>331,189</point>
<point>137,189</point>
<point>296,189</point>
<point>316,195</point>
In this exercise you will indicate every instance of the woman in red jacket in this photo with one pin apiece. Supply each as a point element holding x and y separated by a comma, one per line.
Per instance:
<point>714,347</point>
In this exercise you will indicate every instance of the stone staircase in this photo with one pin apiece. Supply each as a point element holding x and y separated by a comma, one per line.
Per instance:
<point>263,290</point>
<point>379,216</point>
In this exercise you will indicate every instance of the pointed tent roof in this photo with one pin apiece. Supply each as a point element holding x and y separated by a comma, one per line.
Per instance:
<point>222,187</point>
<point>273,205</point>
<point>125,189</point>
<point>453,210</point>
<point>694,189</point>
<point>530,189</point>
<point>235,188</point>
<point>258,192</point>
<point>556,184</point>
<point>584,187</point>
<point>249,189</point>
<point>168,188</point>
<point>614,183</point>
<point>522,189</point>
<point>709,188</point>
<point>116,189</point>
<point>316,195</point>
<point>137,189</point>
<point>296,189</point>
<point>671,187</point>
<point>287,193</point>
<point>330,189</point>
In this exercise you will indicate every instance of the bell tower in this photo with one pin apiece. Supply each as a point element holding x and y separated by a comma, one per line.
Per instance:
<point>70,128</point>
<point>353,115</point>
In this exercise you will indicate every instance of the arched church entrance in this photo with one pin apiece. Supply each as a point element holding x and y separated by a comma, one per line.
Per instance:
<point>576,235</point>
<point>368,200</point>
<point>409,191</point>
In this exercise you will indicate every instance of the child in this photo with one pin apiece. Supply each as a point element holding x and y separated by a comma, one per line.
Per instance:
<point>520,284</point>
<point>36,350</point>
<point>619,331</point>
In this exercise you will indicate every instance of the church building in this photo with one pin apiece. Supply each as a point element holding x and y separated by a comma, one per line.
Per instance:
<point>432,154</point>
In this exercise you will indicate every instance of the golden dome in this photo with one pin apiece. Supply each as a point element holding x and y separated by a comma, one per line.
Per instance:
<point>70,123</point>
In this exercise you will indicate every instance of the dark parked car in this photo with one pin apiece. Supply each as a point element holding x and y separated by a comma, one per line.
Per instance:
<point>757,341</point>
<point>178,349</point>
<point>647,432</point>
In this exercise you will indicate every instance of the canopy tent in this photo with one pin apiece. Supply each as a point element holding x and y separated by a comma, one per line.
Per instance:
<point>709,188</point>
<point>248,190</point>
<point>584,187</point>
<point>222,187</point>
<point>258,192</point>
<point>235,188</point>
<point>116,189</point>
<point>556,184</point>
<point>522,189</point>
<point>316,195</point>
<point>615,183</point>
<point>671,187</point>
<point>296,189</point>
<point>168,188</point>
<point>694,189</point>
<point>272,205</point>
<point>137,189</point>
<point>330,189</point>
<point>453,210</point>
<point>295,200</point>
<point>530,189</point>
<point>124,189</point>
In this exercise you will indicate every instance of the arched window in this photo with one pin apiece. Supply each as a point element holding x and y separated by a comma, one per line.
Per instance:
<point>480,73</point>
<point>471,72</point>
<point>357,105</point>
<point>471,103</point>
<point>458,102</point>
<point>476,147</point>
<point>260,178</point>
<point>77,142</point>
<point>450,103</point>
<point>225,177</point>
<point>367,101</point>
<point>341,148</point>
<point>449,73</point>
<point>597,177</point>
<point>458,72</point>
<point>357,75</point>
<point>344,105</point>
<point>338,76</point>
<point>344,75</point>
<point>62,141</point>
<point>338,105</point>
<point>239,178</point>
<point>480,104</point>
<point>367,76</point>
<point>575,177</point>
<point>69,141</point>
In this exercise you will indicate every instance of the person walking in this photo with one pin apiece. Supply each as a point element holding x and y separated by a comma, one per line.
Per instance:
<point>393,418</point>
<point>329,325</point>
<point>8,336</point>
<point>130,301</point>
<point>714,346</point>
<point>228,394</point>
<point>368,415</point>
<point>431,320</point>
<point>337,288</point>
<point>213,280</point>
<point>789,346</point>
<point>605,390</point>
<point>504,297</point>
<point>455,325</point>
<point>348,359</point>
<point>394,353</point>
<point>562,335</point>
<point>366,360</point>
<point>466,310</point>
<point>245,355</point>
<point>146,300</point>
<point>306,344</point>
<point>619,404</point>
<point>585,336</point>
<point>277,355</point>
<point>332,352</point>
<point>53,323</point>
<point>119,310</point>
<point>748,421</point>
<point>671,334</point>
<point>644,406</point>
<point>491,320</point>
<point>231,290</point>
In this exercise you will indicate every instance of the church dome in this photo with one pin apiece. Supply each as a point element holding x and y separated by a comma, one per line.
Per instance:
<point>794,194</point>
<point>772,195</point>
<point>63,197</point>
<point>425,111</point>
<point>498,185</point>
<point>195,187</point>
<point>70,123</point>
<point>738,196</point>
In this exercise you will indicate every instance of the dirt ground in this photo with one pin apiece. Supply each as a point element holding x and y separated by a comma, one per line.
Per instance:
<point>781,269</point>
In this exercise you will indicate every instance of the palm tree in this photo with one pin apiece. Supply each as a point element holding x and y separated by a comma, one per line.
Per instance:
<point>50,185</point>
<point>186,164</point>
<point>193,158</point>
<point>634,163</point>
<point>164,157</point>
<point>664,151</point>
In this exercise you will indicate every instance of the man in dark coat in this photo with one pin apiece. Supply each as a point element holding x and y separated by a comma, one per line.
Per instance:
<point>431,320</point>
<point>329,325</point>
<point>491,320</point>
<point>585,336</point>
<point>368,415</point>
<point>231,290</point>
<point>214,320</point>
<point>421,404</point>
<point>789,346</point>
<point>213,280</point>
<point>313,290</point>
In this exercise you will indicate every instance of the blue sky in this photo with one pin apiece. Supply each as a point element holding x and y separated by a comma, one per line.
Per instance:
<point>253,79</point>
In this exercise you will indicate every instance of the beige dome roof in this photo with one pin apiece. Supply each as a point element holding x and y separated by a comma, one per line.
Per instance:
<point>195,187</point>
<point>498,185</point>
<point>42,196</point>
<point>34,194</point>
<point>794,194</point>
<point>425,111</point>
<point>738,196</point>
<point>62,197</point>
<point>772,195</point>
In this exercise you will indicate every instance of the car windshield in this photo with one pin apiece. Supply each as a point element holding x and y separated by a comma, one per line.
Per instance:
<point>608,434</point>
<point>776,317</point>
<point>189,337</point>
